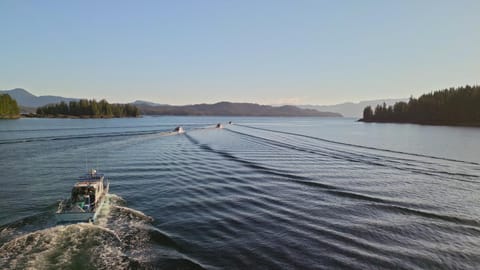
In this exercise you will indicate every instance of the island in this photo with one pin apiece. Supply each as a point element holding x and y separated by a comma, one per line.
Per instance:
<point>454,106</point>
<point>86,109</point>
<point>231,109</point>
<point>8,107</point>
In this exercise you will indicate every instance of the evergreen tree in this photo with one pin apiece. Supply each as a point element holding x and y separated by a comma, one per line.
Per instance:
<point>367,113</point>
<point>449,106</point>
<point>89,108</point>
<point>8,107</point>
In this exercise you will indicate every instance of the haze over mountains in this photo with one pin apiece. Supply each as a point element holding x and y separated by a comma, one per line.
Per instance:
<point>351,109</point>
<point>28,102</point>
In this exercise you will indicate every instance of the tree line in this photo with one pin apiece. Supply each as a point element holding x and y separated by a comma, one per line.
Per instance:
<point>89,108</point>
<point>8,107</point>
<point>448,106</point>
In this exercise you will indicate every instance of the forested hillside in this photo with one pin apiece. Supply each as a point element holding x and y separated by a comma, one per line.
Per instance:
<point>454,106</point>
<point>88,108</point>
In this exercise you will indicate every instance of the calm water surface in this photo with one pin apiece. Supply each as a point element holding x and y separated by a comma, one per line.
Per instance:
<point>263,193</point>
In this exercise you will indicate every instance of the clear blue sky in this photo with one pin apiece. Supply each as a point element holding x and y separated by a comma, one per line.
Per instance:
<point>179,52</point>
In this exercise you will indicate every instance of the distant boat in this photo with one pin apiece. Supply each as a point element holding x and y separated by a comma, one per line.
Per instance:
<point>219,125</point>
<point>179,129</point>
<point>87,198</point>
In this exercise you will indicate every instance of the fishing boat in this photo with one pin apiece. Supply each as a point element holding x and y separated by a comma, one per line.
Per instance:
<point>88,196</point>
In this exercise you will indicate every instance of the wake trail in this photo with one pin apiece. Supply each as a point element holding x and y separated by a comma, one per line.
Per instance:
<point>364,159</point>
<point>121,238</point>
<point>360,146</point>
<point>298,178</point>
<point>92,128</point>
<point>406,208</point>
<point>86,136</point>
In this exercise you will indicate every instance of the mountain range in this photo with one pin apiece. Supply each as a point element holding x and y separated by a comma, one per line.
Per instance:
<point>231,109</point>
<point>28,102</point>
<point>27,99</point>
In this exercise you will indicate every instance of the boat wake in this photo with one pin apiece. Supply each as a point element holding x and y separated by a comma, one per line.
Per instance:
<point>121,238</point>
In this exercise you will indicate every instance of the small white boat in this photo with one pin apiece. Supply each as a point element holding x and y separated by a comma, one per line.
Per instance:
<point>87,198</point>
<point>179,129</point>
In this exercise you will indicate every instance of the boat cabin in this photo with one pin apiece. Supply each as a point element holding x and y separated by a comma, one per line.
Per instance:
<point>87,192</point>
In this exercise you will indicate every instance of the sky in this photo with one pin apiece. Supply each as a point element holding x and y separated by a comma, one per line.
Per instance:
<point>269,52</point>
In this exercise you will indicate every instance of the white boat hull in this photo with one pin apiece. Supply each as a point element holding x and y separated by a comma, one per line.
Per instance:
<point>74,217</point>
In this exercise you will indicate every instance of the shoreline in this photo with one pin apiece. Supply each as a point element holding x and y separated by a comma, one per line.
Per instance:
<point>160,115</point>
<point>10,117</point>
<point>426,123</point>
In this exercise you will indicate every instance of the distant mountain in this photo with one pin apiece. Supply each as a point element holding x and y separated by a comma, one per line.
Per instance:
<point>148,103</point>
<point>231,109</point>
<point>28,100</point>
<point>350,109</point>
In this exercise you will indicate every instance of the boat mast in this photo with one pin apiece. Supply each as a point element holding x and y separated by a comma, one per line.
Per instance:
<point>86,163</point>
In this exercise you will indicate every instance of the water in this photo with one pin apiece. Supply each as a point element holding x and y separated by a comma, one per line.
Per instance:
<point>264,193</point>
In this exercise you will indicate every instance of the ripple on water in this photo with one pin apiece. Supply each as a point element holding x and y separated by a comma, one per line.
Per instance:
<point>243,198</point>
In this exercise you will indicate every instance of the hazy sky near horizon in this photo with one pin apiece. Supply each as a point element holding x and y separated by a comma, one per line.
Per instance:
<point>181,52</point>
